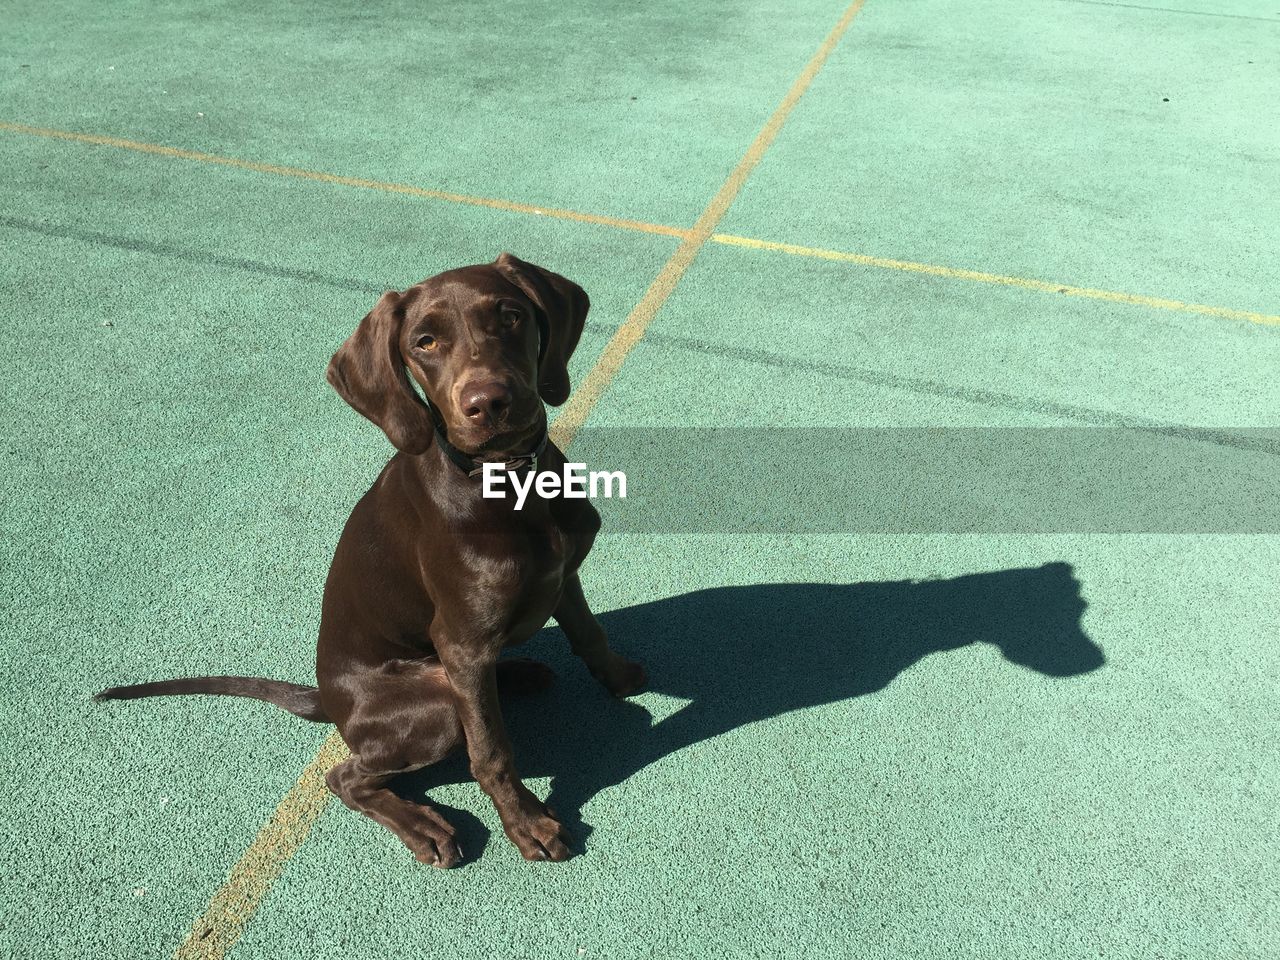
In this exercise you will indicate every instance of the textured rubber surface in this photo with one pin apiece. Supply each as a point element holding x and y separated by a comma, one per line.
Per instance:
<point>879,746</point>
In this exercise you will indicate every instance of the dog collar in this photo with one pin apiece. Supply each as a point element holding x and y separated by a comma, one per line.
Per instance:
<point>473,467</point>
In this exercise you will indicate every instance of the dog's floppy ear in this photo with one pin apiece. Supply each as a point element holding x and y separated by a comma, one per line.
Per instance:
<point>563,306</point>
<point>368,372</point>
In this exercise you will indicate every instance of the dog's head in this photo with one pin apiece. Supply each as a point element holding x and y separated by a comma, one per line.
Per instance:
<point>487,344</point>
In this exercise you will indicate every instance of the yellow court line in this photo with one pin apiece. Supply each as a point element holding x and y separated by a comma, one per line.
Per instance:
<point>319,177</point>
<point>953,273</point>
<point>582,401</point>
<point>222,923</point>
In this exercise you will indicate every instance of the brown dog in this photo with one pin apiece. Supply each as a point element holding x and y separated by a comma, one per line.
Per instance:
<point>430,581</point>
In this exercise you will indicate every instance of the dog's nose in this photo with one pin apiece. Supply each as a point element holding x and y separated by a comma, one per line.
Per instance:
<point>486,402</point>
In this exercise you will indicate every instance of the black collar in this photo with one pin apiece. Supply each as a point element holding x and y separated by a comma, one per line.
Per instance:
<point>473,467</point>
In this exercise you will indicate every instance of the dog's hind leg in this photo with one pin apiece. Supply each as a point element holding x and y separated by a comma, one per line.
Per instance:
<point>403,719</point>
<point>421,827</point>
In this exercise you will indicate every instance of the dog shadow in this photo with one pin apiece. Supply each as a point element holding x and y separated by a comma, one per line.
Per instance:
<point>747,653</point>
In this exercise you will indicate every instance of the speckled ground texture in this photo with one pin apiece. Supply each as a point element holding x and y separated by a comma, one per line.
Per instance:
<point>997,745</point>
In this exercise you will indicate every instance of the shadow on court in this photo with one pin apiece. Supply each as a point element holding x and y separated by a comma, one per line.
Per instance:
<point>748,653</point>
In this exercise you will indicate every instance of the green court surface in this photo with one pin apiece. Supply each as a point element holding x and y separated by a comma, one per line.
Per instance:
<point>999,744</point>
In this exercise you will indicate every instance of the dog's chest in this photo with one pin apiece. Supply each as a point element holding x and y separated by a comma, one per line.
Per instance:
<point>520,584</point>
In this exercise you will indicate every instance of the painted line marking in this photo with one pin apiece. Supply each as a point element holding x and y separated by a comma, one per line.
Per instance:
<point>333,178</point>
<point>583,400</point>
<point>223,921</point>
<point>954,273</point>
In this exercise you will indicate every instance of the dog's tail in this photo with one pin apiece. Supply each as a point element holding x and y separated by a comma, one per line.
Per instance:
<point>301,701</point>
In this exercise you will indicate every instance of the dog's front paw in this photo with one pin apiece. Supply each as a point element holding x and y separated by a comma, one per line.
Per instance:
<point>623,677</point>
<point>537,834</point>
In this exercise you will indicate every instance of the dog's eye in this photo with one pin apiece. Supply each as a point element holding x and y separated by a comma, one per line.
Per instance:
<point>511,316</point>
<point>427,342</point>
